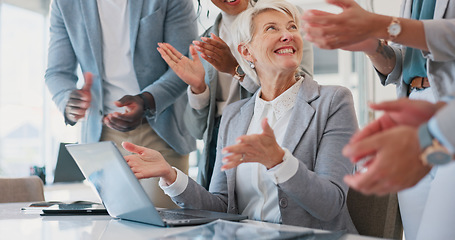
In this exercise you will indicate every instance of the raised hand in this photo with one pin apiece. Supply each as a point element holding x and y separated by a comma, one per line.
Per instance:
<point>147,163</point>
<point>131,118</point>
<point>398,112</point>
<point>191,71</point>
<point>351,30</point>
<point>215,51</point>
<point>79,100</point>
<point>261,148</point>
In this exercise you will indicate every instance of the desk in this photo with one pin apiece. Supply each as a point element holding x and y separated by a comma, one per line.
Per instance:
<point>17,224</point>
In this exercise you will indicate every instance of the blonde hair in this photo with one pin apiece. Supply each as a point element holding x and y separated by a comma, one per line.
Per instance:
<point>243,28</point>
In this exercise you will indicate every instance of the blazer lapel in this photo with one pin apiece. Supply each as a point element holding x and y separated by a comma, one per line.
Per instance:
<point>302,114</point>
<point>440,9</point>
<point>135,7</point>
<point>93,26</point>
<point>242,122</point>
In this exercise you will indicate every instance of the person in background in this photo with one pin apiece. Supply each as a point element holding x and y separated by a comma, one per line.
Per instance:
<point>278,152</point>
<point>225,82</point>
<point>420,62</point>
<point>129,94</point>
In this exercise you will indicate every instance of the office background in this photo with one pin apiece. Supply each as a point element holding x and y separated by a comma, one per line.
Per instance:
<point>31,127</point>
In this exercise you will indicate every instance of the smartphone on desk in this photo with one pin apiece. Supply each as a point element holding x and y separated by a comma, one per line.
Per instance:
<point>75,209</point>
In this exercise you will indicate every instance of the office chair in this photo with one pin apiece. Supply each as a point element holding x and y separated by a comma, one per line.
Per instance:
<point>27,189</point>
<point>375,216</point>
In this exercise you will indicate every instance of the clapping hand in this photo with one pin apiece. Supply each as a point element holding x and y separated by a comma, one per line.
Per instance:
<point>261,148</point>
<point>147,163</point>
<point>191,71</point>
<point>350,30</point>
<point>131,118</point>
<point>215,51</point>
<point>392,143</point>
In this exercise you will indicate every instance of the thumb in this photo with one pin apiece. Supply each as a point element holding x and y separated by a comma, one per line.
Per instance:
<point>194,54</point>
<point>88,81</point>
<point>387,106</point>
<point>133,148</point>
<point>267,130</point>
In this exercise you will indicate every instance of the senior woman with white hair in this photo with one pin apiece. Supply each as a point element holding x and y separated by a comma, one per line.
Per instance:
<point>279,153</point>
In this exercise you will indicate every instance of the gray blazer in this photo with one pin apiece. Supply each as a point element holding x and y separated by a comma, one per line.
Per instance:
<point>440,35</point>
<point>322,122</point>
<point>201,122</point>
<point>75,38</point>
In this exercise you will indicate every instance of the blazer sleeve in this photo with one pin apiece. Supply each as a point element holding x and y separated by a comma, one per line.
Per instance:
<point>325,182</point>
<point>444,120</point>
<point>180,30</point>
<point>439,34</point>
<point>217,198</point>
<point>60,76</point>
<point>196,121</point>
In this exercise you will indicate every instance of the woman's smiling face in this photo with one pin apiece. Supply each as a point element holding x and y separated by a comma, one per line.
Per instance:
<point>277,43</point>
<point>231,7</point>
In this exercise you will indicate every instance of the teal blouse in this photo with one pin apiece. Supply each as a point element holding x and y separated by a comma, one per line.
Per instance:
<point>415,65</point>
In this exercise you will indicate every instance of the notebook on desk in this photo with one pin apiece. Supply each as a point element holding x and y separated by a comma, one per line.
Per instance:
<point>123,196</point>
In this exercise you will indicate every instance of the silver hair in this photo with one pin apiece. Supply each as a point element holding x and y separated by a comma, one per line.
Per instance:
<point>243,28</point>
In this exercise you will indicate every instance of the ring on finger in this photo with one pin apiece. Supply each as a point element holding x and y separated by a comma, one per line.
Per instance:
<point>180,58</point>
<point>242,158</point>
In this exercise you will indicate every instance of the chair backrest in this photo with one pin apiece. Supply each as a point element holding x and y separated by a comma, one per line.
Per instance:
<point>375,216</point>
<point>27,189</point>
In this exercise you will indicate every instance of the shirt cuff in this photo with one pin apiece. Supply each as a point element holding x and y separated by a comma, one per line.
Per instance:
<point>436,132</point>
<point>285,170</point>
<point>447,98</point>
<point>198,101</point>
<point>178,187</point>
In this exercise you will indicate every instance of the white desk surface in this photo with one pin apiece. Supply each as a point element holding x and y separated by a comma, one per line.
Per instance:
<point>18,224</point>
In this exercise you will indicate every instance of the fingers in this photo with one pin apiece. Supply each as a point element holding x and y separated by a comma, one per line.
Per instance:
<point>370,129</point>
<point>316,17</point>
<point>387,106</point>
<point>232,161</point>
<point>342,3</point>
<point>211,46</point>
<point>169,53</point>
<point>116,121</point>
<point>88,81</point>
<point>361,149</point>
<point>129,100</point>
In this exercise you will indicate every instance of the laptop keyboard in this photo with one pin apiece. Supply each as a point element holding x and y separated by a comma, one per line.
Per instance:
<point>176,216</point>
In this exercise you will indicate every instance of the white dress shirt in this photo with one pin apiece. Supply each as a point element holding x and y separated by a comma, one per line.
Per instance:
<point>259,200</point>
<point>119,76</point>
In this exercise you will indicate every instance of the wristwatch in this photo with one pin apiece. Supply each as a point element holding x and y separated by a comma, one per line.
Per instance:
<point>394,29</point>
<point>239,73</point>
<point>433,152</point>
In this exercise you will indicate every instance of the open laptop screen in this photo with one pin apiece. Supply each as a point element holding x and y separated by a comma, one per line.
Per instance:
<point>118,188</point>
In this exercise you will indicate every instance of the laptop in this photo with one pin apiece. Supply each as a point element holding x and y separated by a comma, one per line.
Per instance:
<point>66,169</point>
<point>122,194</point>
